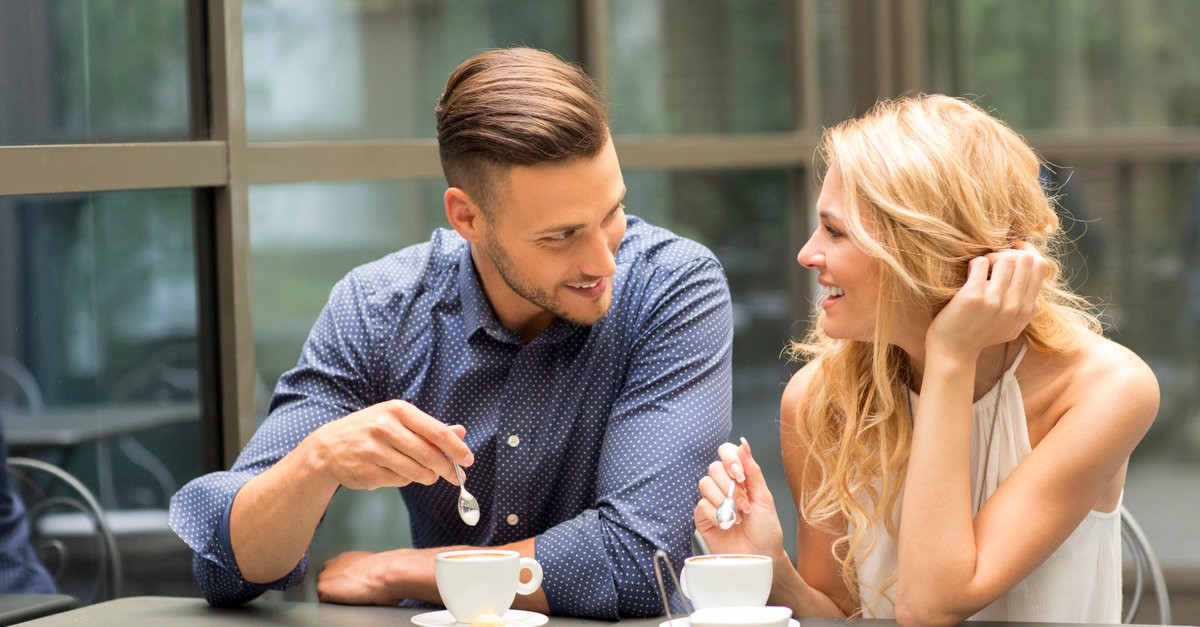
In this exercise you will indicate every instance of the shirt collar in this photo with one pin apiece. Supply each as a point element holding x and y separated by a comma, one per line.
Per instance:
<point>479,316</point>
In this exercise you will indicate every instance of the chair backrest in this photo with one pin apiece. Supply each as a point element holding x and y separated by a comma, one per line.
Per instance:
<point>16,372</point>
<point>1147,571</point>
<point>64,539</point>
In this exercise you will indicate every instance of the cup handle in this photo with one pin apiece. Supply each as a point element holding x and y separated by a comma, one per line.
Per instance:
<point>683,582</point>
<point>535,580</point>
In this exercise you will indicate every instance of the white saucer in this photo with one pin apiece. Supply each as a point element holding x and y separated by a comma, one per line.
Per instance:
<point>685,622</point>
<point>512,618</point>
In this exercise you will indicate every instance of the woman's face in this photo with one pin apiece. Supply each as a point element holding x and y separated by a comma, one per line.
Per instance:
<point>849,278</point>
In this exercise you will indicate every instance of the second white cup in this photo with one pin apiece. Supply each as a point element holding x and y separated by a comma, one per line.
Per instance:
<point>726,580</point>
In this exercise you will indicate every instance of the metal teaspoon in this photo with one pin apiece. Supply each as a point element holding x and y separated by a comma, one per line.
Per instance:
<point>727,511</point>
<point>468,507</point>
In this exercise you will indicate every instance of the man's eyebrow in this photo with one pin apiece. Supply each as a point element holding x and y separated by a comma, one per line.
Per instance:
<point>559,229</point>
<point>575,227</point>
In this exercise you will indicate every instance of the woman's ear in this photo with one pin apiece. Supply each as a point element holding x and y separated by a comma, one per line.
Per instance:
<point>464,215</point>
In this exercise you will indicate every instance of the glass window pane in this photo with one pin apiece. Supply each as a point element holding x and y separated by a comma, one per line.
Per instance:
<point>833,64</point>
<point>1143,267</point>
<point>743,217</point>
<point>303,239</point>
<point>1074,64</point>
<point>328,69</point>
<point>94,71</point>
<point>700,67</point>
<point>98,360</point>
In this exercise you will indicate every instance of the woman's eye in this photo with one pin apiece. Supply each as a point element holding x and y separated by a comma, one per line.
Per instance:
<point>832,231</point>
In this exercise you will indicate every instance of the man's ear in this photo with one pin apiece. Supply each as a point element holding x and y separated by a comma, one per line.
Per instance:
<point>464,215</point>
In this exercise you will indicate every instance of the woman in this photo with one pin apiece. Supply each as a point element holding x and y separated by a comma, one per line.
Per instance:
<point>958,440</point>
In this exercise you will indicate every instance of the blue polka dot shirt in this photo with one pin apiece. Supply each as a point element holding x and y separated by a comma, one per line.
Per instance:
<point>590,439</point>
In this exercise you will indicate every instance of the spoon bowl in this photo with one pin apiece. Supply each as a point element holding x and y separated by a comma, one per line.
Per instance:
<point>727,511</point>
<point>468,507</point>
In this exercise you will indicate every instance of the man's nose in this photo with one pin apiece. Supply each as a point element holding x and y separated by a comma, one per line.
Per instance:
<point>599,260</point>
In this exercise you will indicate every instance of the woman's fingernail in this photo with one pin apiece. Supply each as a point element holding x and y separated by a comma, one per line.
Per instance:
<point>738,474</point>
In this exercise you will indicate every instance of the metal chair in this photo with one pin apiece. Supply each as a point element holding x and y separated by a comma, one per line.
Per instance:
<point>63,539</point>
<point>31,393</point>
<point>1147,571</point>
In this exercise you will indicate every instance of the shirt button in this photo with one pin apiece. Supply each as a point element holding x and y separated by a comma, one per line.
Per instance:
<point>512,519</point>
<point>514,441</point>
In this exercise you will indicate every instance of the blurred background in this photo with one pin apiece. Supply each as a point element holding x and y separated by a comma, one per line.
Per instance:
<point>182,182</point>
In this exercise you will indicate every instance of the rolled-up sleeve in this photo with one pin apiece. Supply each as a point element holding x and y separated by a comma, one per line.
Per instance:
<point>200,516</point>
<point>327,384</point>
<point>672,414</point>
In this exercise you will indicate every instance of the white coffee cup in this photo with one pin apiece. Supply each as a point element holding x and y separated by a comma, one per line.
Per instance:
<point>483,581</point>
<point>726,580</point>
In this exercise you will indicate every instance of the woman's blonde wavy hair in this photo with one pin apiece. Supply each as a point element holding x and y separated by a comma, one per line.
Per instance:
<point>935,182</point>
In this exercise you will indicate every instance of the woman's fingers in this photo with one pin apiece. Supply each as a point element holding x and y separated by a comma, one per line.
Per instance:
<point>711,490</point>
<point>1017,277</point>
<point>705,516</point>
<point>1000,274</point>
<point>1038,269</point>
<point>728,453</point>
<point>738,467</point>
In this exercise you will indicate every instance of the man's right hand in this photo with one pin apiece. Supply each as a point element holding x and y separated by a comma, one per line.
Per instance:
<point>390,444</point>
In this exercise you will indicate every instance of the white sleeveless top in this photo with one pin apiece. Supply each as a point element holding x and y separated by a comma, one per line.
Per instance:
<point>1079,583</point>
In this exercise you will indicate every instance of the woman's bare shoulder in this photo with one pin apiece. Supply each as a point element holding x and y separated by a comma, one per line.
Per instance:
<point>1104,372</point>
<point>1106,367</point>
<point>797,388</point>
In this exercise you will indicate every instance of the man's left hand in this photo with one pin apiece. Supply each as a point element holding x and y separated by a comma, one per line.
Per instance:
<point>365,578</point>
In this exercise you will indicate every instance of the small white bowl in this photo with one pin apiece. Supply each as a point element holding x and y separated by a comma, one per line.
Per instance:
<point>768,616</point>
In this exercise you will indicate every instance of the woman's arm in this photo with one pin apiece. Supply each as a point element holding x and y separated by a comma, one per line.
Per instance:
<point>758,529</point>
<point>816,566</point>
<point>951,564</point>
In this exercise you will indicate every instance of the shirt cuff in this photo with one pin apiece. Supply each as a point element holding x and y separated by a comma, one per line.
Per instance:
<point>227,559</point>
<point>577,572</point>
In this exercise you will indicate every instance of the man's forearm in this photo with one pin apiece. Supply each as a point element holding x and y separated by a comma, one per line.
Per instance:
<point>274,516</point>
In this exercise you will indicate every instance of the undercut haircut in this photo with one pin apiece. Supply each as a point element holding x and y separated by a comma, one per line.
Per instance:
<point>515,107</point>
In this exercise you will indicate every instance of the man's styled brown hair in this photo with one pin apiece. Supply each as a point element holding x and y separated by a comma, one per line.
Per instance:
<point>515,107</point>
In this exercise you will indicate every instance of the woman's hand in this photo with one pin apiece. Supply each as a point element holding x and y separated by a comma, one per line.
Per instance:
<point>995,304</point>
<point>757,529</point>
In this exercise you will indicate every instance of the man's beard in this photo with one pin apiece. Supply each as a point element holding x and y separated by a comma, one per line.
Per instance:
<point>528,290</point>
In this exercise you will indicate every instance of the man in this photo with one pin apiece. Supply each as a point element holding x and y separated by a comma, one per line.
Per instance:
<point>576,361</point>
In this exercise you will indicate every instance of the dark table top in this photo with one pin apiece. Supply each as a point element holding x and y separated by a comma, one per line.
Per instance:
<point>193,612</point>
<point>16,608</point>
